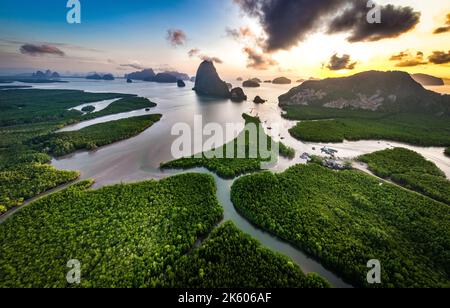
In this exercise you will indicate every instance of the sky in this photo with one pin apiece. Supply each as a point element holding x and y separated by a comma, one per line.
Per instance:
<point>246,38</point>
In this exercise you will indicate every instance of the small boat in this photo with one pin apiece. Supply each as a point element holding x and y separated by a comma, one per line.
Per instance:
<point>329,151</point>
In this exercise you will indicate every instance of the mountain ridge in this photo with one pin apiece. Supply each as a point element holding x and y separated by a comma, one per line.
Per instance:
<point>392,91</point>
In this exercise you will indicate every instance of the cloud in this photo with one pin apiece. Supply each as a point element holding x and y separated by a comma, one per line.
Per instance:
<point>445,28</point>
<point>406,59</point>
<point>399,56</point>
<point>442,30</point>
<point>59,45</point>
<point>440,57</point>
<point>176,37</point>
<point>193,52</point>
<point>163,68</point>
<point>288,22</point>
<point>411,63</point>
<point>38,50</point>
<point>211,59</point>
<point>259,60</point>
<point>341,63</point>
<point>241,33</point>
<point>246,36</point>
<point>233,33</point>
<point>134,65</point>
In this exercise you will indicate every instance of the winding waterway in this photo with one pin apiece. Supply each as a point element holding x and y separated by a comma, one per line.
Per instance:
<point>139,158</point>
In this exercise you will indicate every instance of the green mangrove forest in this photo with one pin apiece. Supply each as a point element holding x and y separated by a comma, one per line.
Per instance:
<point>411,170</point>
<point>31,115</point>
<point>138,235</point>
<point>319,124</point>
<point>346,218</point>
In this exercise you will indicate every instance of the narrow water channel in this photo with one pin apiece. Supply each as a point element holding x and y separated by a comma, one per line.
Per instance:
<point>307,264</point>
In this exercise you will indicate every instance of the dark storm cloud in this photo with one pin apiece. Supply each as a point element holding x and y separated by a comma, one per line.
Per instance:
<point>445,28</point>
<point>37,50</point>
<point>176,37</point>
<point>258,60</point>
<point>287,22</point>
<point>341,63</point>
<point>406,59</point>
<point>440,57</point>
<point>395,21</point>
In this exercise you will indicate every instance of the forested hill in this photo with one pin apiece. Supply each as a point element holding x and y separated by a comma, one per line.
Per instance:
<point>373,90</point>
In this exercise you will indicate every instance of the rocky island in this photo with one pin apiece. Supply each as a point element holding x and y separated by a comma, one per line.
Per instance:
<point>250,84</point>
<point>208,82</point>
<point>149,75</point>
<point>144,75</point>
<point>178,75</point>
<point>96,76</point>
<point>259,100</point>
<point>165,78</point>
<point>238,95</point>
<point>282,80</point>
<point>47,75</point>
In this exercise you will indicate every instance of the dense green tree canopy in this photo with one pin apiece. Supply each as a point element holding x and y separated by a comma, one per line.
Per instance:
<point>347,218</point>
<point>139,235</point>
<point>337,125</point>
<point>123,235</point>
<point>231,259</point>
<point>411,170</point>
<point>92,137</point>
